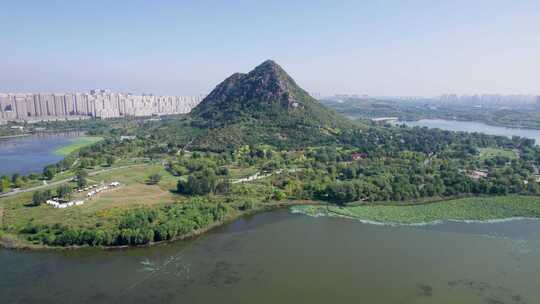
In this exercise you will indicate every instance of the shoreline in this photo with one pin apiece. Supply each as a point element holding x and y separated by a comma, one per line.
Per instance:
<point>82,131</point>
<point>12,242</point>
<point>76,144</point>
<point>15,136</point>
<point>334,214</point>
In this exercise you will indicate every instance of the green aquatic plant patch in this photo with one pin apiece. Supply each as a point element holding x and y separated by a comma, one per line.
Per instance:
<point>76,144</point>
<point>466,209</point>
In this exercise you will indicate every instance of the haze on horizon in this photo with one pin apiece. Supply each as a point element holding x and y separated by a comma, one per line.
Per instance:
<point>421,48</point>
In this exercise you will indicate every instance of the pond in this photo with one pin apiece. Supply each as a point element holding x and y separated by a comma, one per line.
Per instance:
<point>473,126</point>
<point>31,153</point>
<point>280,257</point>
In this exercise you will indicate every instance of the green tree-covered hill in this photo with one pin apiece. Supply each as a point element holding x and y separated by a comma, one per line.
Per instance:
<point>264,106</point>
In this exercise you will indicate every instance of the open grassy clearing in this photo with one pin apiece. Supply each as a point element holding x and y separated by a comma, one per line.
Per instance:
<point>487,153</point>
<point>468,209</point>
<point>133,192</point>
<point>76,144</point>
<point>240,172</point>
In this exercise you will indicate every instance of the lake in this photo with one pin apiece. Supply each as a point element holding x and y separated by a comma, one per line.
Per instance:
<point>280,257</point>
<point>31,153</point>
<point>472,126</point>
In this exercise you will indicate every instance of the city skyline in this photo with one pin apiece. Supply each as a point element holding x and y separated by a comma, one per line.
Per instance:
<point>96,104</point>
<point>422,48</point>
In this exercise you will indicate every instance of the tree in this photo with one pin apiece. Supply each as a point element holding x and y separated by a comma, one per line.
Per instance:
<point>247,205</point>
<point>81,178</point>
<point>15,177</point>
<point>223,171</point>
<point>49,172</point>
<point>109,160</point>
<point>200,183</point>
<point>84,163</point>
<point>64,191</point>
<point>153,179</point>
<point>40,197</point>
<point>223,186</point>
<point>4,184</point>
<point>278,195</point>
<point>17,180</point>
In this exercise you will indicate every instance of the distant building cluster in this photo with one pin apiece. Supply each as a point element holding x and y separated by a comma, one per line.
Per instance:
<point>97,103</point>
<point>478,101</point>
<point>489,99</point>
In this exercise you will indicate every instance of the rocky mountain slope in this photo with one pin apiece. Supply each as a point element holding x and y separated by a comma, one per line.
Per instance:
<point>264,106</point>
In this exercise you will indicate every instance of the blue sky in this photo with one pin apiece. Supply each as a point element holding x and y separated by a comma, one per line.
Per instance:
<point>187,47</point>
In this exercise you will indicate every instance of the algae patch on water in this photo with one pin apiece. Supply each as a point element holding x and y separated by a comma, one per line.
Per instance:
<point>477,209</point>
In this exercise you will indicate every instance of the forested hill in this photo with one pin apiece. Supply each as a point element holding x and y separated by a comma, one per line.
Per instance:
<point>264,106</point>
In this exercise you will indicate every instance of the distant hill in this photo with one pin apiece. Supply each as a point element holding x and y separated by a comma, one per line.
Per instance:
<point>264,106</point>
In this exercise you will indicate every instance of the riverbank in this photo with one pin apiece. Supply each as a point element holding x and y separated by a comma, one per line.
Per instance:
<point>474,209</point>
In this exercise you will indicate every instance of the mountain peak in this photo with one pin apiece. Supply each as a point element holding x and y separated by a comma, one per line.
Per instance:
<point>266,85</point>
<point>271,71</point>
<point>263,106</point>
<point>268,65</point>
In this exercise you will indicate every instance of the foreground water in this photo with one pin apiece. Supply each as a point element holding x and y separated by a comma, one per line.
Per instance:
<point>29,154</point>
<point>279,257</point>
<point>473,126</point>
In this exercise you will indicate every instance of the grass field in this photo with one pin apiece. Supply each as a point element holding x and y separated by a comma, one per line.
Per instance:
<point>487,153</point>
<point>133,192</point>
<point>473,209</point>
<point>76,144</point>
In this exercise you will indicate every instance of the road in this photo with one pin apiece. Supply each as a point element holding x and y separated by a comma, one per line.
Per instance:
<point>11,193</point>
<point>258,175</point>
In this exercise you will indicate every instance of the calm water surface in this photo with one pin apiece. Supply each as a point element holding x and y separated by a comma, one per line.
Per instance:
<point>29,154</point>
<point>471,126</point>
<point>279,257</point>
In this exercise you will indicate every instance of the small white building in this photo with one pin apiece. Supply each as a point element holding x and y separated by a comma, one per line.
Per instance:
<point>57,204</point>
<point>478,174</point>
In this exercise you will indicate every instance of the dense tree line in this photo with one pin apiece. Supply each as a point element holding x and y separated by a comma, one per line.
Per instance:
<point>203,182</point>
<point>330,174</point>
<point>138,226</point>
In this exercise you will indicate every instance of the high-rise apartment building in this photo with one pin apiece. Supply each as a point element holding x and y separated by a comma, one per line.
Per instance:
<point>101,104</point>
